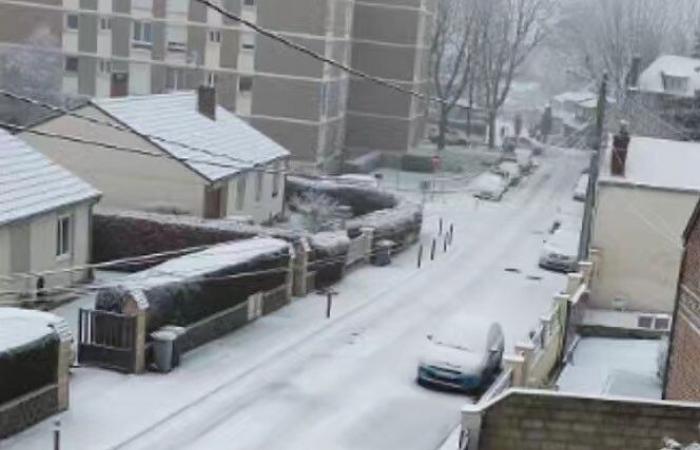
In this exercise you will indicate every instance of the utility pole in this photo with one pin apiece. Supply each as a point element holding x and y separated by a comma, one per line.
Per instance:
<point>585,241</point>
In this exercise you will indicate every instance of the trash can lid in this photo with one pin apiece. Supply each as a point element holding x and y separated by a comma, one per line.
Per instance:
<point>179,331</point>
<point>164,335</point>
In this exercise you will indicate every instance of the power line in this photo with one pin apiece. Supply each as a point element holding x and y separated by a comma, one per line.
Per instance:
<point>115,147</point>
<point>123,128</point>
<point>335,63</point>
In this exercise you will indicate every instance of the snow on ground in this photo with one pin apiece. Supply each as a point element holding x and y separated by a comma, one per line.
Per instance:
<point>607,366</point>
<point>296,380</point>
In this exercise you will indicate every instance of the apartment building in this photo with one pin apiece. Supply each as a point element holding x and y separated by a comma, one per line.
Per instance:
<point>391,40</point>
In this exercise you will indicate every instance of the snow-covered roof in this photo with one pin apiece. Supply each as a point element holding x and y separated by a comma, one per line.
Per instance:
<point>19,327</point>
<point>30,183</point>
<point>651,79</point>
<point>575,97</point>
<point>657,163</point>
<point>232,144</point>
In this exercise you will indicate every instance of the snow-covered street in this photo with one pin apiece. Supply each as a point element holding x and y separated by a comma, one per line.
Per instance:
<point>296,380</point>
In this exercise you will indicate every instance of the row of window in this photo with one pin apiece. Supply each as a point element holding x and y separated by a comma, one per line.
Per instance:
<point>142,32</point>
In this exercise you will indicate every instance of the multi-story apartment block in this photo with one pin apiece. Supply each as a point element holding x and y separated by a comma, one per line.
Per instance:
<point>133,47</point>
<point>391,40</point>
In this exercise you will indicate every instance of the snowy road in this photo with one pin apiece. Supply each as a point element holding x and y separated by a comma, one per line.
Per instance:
<point>294,380</point>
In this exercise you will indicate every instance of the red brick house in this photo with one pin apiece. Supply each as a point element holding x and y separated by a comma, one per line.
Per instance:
<point>682,380</point>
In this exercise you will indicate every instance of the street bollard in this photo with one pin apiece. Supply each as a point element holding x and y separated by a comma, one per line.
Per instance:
<point>444,244</point>
<point>452,232</point>
<point>432,250</point>
<point>329,304</point>
<point>440,228</point>
<point>420,255</point>
<point>57,435</point>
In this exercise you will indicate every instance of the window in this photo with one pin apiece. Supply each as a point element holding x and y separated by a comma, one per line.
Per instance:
<point>72,21</point>
<point>276,178</point>
<point>174,79</point>
<point>71,64</point>
<point>245,84</point>
<point>143,32</point>
<point>63,236</point>
<point>105,66</point>
<point>240,191</point>
<point>248,41</point>
<point>105,23</point>
<point>215,36</point>
<point>259,184</point>
<point>249,2</point>
<point>211,79</point>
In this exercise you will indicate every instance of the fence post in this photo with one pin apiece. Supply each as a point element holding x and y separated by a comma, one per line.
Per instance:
<point>65,354</point>
<point>57,435</point>
<point>516,363</point>
<point>301,268</point>
<point>527,350</point>
<point>470,427</point>
<point>420,254</point>
<point>432,250</point>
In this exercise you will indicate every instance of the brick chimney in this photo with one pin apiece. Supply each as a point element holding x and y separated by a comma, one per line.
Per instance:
<point>621,142</point>
<point>206,101</point>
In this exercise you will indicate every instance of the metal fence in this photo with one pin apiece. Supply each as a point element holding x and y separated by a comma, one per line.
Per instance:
<point>107,339</point>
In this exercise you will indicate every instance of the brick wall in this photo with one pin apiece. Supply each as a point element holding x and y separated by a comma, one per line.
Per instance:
<point>542,420</point>
<point>683,376</point>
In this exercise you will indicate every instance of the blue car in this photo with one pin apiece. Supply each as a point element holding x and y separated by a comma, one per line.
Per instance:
<point>465,356</point>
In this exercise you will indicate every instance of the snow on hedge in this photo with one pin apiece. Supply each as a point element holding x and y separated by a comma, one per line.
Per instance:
<point>363,199</point>
<point>330,242</point>
<point>394,223</point>
<point>21,327</point>
<point>189,288</point>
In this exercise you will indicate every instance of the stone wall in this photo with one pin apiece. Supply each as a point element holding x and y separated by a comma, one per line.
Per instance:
<point>545,420</point>
<point>27,410</point>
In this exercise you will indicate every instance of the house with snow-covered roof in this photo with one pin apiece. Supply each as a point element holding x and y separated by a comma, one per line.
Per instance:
<point>45,218</point>
<point>180,153</point>
<point>664,98</point>
<point>645,195</point>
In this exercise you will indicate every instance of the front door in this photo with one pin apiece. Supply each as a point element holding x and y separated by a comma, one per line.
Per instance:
<point>214,202</point>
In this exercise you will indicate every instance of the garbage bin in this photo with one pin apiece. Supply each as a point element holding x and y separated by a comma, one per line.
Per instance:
<point>177,344</point>
<point>163,341</point>
<point>382,255</point>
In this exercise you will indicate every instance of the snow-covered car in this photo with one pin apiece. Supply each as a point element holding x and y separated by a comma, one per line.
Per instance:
<point>490,186</point>
<point>581,189</point>
<point>510,170</point>
<point>465,355</point>
<point>560,251</point>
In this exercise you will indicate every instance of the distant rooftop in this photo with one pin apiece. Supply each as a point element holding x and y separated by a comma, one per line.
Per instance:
<point>233,145</point>
<point>30,183</point>
<point>676,69</point>
<point>658,163</point>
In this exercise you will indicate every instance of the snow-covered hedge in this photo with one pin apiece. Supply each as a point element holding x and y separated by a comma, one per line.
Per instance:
<point>330,249</point>
<point>399,224</point>
<point>363,199</point>
<point>189,288</point>
<point>29,348</point>
<point>121,234</point>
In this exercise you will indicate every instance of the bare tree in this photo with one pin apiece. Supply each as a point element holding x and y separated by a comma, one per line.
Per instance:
<point>33,69</point>
<point>509,31</point>
<point>603,36</point>
<point>319,211</point>
<point>453,57</point>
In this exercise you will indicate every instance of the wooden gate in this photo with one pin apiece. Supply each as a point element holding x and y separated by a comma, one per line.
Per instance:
<point>107,339</point>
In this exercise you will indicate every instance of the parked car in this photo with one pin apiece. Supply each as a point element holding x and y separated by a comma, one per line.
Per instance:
<point>581,189</point>
<point>510,170</point>
<point>560,251</point>
<point>466,355</point>
<point>490,186</point>
<point>510,143</point>
<point>452,137</point>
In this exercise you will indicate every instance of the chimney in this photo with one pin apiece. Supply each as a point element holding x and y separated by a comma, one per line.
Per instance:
<point>621,142</point>
<point>206,101</point>
<point>635,70</point>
